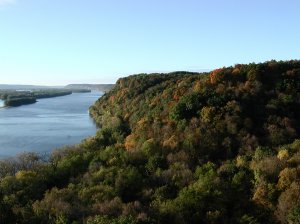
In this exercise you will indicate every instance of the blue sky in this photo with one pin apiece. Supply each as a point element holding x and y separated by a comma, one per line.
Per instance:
<point>97,41</point>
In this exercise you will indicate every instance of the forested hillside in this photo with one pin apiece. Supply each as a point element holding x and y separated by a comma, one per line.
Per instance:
<point>219,147</point>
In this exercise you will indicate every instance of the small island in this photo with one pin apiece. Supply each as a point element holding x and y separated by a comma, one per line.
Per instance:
<point>14,98</point>
<point>18,101</point>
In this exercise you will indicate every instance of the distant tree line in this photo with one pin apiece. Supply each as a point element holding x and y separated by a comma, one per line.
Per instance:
<point>17,98</point>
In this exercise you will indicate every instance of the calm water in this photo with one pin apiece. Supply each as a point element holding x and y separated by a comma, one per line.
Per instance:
<point>47,124</point>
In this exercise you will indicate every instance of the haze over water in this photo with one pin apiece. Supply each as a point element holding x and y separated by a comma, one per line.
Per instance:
<point>48,124</point>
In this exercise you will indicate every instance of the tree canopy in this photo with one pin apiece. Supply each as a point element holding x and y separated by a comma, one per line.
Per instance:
<point>218,147</point>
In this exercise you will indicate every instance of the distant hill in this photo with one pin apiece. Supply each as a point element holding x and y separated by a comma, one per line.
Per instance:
<point>96,87</point>
<point>25,87</point>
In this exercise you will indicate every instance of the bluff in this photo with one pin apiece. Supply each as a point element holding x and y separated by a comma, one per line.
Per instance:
<point>94,87</point>
<point>218,147</point>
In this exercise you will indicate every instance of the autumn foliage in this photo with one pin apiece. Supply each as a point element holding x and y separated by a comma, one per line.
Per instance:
<point>219,147</point>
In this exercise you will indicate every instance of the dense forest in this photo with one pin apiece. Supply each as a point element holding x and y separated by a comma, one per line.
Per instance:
<point>177,148</point>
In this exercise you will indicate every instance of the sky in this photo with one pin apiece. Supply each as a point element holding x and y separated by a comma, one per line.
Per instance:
<point>56,42</point>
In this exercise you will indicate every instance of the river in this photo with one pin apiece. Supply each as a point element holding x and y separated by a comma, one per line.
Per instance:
<point>1,103</point>
<point>46,125</point>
